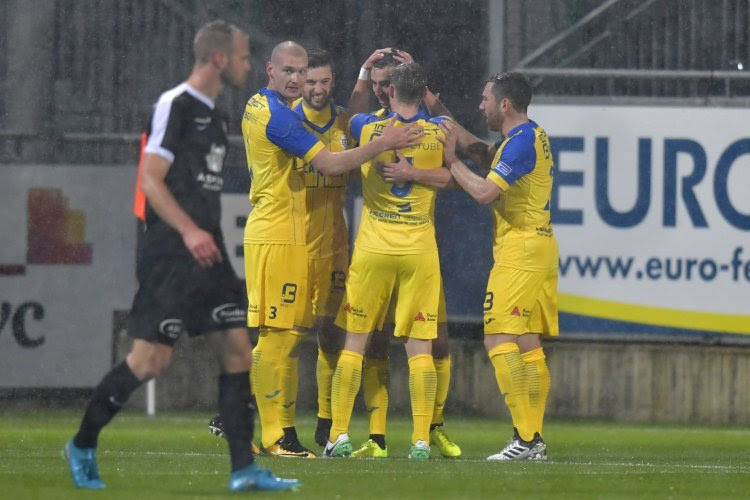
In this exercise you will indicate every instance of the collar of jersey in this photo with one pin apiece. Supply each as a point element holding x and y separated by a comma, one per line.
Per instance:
<point>300,110</point>
<point>515,130</point>
<point>421,115</point>
<point>199,95</point>
<point>265,91</point>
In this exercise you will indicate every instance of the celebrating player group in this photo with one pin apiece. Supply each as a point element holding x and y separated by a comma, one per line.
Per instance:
<point>302,149</point>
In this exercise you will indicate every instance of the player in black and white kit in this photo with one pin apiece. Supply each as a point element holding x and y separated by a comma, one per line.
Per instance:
<point>186,283</point>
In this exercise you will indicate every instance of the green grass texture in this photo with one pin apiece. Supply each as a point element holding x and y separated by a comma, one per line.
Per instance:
<point>173,456</point>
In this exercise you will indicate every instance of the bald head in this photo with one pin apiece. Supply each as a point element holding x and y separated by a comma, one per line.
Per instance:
<point>286,49</point>
<point>287,68</point>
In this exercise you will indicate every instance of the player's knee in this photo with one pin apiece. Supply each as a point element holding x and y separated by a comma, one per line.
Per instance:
<point>238,361</point>
<point>149,363</point>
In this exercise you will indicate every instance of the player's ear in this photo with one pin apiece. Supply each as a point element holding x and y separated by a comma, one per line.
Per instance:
<point>219,60</point>
<point>269,68</point>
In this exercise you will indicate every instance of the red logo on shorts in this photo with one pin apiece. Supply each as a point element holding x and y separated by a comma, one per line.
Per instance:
<point>348,307</point>
<point>515,312</point>
<point>419,316</point>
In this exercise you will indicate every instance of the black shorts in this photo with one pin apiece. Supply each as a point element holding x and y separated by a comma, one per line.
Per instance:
<point>176,295</point>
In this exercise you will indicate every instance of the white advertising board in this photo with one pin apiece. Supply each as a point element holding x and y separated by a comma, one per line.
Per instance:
<point>67,262</point>
<point>651,209</point>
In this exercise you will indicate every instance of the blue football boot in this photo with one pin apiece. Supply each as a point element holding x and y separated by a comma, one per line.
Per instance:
<point>253,477</point>
<point>83,468</point>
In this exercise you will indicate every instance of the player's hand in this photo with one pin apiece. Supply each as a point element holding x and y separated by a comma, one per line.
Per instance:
<point>449,142</point>
<point>401,56</point>
<point>375,56</point>
<point>399,172</point>
<point>202,246</point>
<point>401,137</point>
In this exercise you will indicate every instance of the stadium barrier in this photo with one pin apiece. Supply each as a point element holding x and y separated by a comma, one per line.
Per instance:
<point>622,381</point>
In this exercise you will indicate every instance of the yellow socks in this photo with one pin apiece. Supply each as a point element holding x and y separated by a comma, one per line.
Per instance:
<point>289,341</point>
<point>375,383</point>
<point>510,371</point>
<point>324,374</point>
<point>422,387</point>
<point>272,368</point>
<point>539,382</point>
<point>264,378</point>
<point>443,370</point>
<point>344,388</point>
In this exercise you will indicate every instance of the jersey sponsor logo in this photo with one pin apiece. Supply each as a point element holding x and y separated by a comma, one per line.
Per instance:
<point>212,180</point>
<point>202,124</point>
<point>215,157</point>
<point>520,312</point>
<point>227,313</point>
<point>419,317</point>
<point>171,328</point>
<point>502,168</point>
<point>404,207</point>
<point>289,293</point>
<point>354,311</point>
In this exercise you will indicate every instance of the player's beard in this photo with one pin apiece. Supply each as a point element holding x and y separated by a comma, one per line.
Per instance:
<point>494,120</point>
<point>320,104</point>
<point>229,79</point>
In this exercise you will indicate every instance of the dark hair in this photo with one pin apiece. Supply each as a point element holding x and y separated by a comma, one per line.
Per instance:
<point>387,61</point>
<point>514,87</point>
<point>409,80</point>
<point>214,37</point>
<point>317,58</point>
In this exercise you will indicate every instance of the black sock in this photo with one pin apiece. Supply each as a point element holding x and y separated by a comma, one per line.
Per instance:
<point>379,439</point>
<point>432,426</point>
<point>290,435</point>
<point>109,397</point>
<point>237,412</point>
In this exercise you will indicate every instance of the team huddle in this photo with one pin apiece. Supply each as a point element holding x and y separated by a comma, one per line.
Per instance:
<point>302,149</point>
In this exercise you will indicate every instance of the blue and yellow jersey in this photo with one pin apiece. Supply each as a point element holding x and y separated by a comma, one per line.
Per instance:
<point>274,137</point>
<point>522,168</point>
<point>325,194</point>
<point>398,219</point>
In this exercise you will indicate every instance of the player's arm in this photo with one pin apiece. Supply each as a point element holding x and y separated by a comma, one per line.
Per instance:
<point>475,148</point>
<point>329,163</point>
<point>360,99</point>
<point>482,189</point>
<point>403,171</point>
<point>200,243</point>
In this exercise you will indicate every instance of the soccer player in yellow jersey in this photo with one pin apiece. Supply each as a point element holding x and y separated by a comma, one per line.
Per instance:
<point>327,239</point>
<point>395,257</point>
<point>275,239</point>
<point>521,301</point>
<point>375,75</point>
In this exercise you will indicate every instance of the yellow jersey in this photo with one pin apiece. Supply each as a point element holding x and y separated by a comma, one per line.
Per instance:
<point>398,219</point>
<point>324,208</point>
<point>274,137</point>
<point>522,168</point>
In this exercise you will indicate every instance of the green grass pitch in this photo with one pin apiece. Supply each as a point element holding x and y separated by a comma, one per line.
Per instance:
<point>174,456</point>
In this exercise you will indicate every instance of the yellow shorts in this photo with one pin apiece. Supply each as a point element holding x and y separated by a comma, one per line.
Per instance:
<point>411,281</point>
<point>390,317</point>
<point>276,281</point>
<point>327,279</point>
<point>519,302</point>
